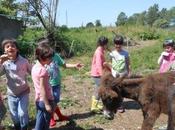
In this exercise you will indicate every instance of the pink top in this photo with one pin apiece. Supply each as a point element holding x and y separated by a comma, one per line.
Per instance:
<point>0,98</point>
<point>165,60</point>
<point>97,62</point>
<point>39,71</point>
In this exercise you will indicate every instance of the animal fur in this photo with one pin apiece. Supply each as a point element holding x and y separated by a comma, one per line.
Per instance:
<point>155,93</point>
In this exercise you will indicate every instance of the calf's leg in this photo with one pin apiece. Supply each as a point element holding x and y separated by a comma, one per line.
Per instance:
<point>150,117</point>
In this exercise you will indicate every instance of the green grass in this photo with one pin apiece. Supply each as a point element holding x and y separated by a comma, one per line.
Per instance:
<point>146,58</point>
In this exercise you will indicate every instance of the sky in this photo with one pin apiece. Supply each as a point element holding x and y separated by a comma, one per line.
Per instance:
<point>75,13</point>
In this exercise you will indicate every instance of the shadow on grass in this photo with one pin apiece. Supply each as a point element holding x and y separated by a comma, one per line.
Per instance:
<point>73,126</point>
<point>82,115</point>
<point>31,126</point>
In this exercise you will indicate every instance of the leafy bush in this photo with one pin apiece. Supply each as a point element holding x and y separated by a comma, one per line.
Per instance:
<point>27,41</point>
<point>148,36</point>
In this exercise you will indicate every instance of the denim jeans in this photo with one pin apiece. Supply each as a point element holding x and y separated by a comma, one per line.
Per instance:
<point>42,117</point>
<point>56,93</point>
<point>18,107</point>
<point>96,88</point>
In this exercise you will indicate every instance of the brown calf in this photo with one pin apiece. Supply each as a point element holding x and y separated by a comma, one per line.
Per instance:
<point>155,93</point>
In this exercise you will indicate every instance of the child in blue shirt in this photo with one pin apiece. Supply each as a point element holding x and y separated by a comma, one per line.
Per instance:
<point>55,81</point>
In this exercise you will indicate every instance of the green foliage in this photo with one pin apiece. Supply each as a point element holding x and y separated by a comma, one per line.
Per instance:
<point>64,28</point>
<point>161,23</point>
<point>27,41</point>
<point>89,25</point>
<point>121,19</point>
<point>8,7</point>
<point>153,14</point>
<point>148,36</point>
<point>98,23</point>
<point>145,59</point>
<point>149,17</point>
<point>66,102</point>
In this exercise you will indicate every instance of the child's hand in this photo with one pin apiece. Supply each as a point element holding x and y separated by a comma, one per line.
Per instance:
<point>48,108</point>
<point>79,66</point>
<point>165,53</point>
<point>3,58</point>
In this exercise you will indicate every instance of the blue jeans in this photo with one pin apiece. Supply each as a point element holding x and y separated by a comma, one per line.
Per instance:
<point>56,93</point>
<point>43,117</point>
<point>18,107</point>
<point>96,88</point>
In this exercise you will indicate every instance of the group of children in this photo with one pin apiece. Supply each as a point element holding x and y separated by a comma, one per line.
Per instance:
<point>119,67</point>
<point>46,78</point>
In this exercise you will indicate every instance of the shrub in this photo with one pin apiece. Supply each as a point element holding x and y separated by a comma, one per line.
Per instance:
<point>148,36</point>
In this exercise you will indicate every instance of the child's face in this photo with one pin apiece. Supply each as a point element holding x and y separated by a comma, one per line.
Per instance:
<point>11,50</point>
<point>118,47</point>
<point>169,49</point>
<point>47,61</point>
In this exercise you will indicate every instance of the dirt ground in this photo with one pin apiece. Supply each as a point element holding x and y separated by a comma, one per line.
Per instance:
<point>79,92</point>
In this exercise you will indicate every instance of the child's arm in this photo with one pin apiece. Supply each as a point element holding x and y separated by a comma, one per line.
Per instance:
<point>77,65</point>
<point>43,93</point>
<point>159,61</point>
<point>163,54</point>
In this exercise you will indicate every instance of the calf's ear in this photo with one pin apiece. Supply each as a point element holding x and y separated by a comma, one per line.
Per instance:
<point>102,91</point>
<point>105,92</point>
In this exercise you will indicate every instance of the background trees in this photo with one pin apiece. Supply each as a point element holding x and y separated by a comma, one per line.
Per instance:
<point>121,19</point>
<point>152,17</point>
<point>8,7</point>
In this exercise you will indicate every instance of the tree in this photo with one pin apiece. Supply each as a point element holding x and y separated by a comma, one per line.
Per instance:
<point>163,13</point>
<point>171,13</point>
<point>46,12</point>
<point>98,23</point>
<point>161,23</point>
<point>89,25</point>
<point>8,7</point>
<point>152,14</point>
<point>121,19</point>
<point>141,18</point>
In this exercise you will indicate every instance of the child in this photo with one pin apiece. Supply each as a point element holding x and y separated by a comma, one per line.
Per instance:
<point>120,61</point>
<point>43,95</point>
<point>55,81</point>
<point>97,66</point>
<point>2,111</point>
<point>16,68</point>
<point>167,56</point>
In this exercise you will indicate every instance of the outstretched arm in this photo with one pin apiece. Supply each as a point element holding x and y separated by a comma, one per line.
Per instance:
<point>77,65</point>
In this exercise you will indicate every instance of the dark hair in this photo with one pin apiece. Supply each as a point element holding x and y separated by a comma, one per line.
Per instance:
<point>118,39</point>
<point>43,41</point>
<point>9,40</point>
<point>168,42</point>
<point>43,52</point>
<point>102,41</point>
